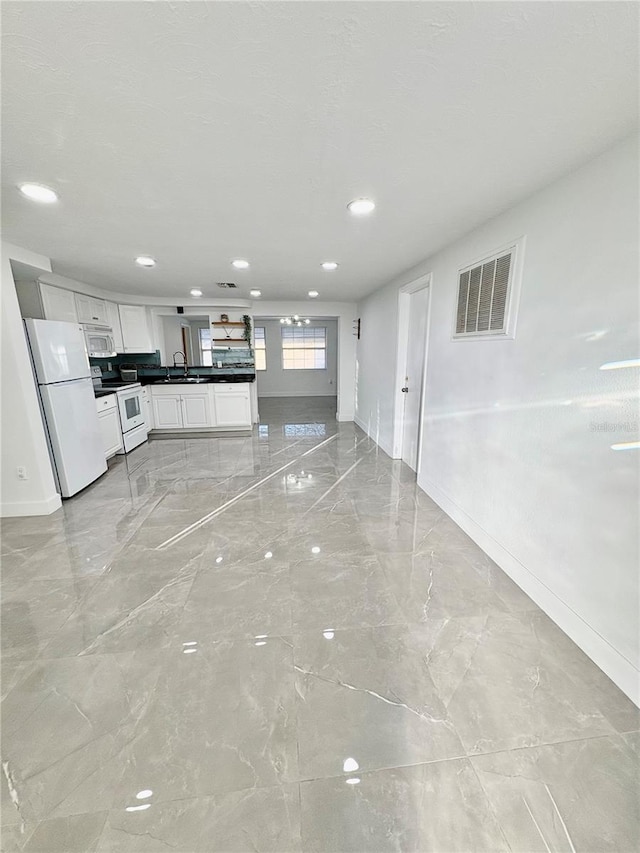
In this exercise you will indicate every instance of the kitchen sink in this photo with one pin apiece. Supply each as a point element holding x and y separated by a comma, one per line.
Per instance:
<point>181,380</point>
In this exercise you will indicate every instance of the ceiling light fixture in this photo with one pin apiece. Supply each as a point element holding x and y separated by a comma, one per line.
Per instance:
<point>361,206</point>
<point>295,320</point>
<point>195,292</point>
<point>255,293</point>
<point>313,294</point>
<point>38,192</point>
<point>329,265</point>
<point>145,261</point>
<point>239,264</point>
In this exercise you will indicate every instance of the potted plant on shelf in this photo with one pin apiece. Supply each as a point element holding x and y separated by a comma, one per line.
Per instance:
<point>246,334</point>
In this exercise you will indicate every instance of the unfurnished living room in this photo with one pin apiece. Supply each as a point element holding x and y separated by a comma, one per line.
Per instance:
<point>319,470</point>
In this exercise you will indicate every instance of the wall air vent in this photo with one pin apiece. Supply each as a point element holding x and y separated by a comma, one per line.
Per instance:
<point>486,299</point>
<point>226,284</point>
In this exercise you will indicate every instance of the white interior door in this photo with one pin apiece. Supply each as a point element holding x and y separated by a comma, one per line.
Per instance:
<point>414,375</point>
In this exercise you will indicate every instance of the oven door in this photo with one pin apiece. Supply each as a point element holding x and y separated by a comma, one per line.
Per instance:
<point>130,405</point>
<point>99,344</point>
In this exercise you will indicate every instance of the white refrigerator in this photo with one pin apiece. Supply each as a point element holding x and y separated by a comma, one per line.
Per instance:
<point>63,375</point>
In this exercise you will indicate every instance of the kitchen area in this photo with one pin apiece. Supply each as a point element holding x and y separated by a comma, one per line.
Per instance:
<point>108,378</point>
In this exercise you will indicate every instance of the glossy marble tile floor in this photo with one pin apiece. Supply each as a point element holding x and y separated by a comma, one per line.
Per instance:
<point>278,643</point>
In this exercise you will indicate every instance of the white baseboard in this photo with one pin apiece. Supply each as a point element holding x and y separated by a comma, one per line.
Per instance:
<point>295,394</point>
<point>381,444</point>
<point>620,670</point>
<point>343,417</point>
<point>24,508</point>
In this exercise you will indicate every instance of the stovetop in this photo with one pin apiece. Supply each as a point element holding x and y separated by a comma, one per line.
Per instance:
<point>103,390</point>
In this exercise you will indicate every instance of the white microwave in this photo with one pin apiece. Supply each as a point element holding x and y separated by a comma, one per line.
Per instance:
<point>99,341</point>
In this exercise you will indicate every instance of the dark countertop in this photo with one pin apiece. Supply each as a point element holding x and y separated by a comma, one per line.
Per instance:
<point>114,384</point>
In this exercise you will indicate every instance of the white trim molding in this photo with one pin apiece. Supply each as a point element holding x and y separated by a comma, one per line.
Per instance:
<point>22,508</point>
<point>404,297</point>
<point>619,669</point>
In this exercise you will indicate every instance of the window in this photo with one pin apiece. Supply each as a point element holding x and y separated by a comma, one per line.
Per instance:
<point>484,296</point>
<point>260,348</point>
<point>304,348</point>
<point>206,359</point>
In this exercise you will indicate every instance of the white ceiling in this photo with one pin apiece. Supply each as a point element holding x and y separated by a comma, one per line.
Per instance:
<point>200,132</point>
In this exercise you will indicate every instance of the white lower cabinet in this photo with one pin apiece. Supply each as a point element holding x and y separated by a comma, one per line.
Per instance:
<point>109,424</point>
<point>204,407</point>
<point>182,411</point>
<point>148,408</point>
<point>167,411</point>
<point>196,411</point>
<point>233,407</point>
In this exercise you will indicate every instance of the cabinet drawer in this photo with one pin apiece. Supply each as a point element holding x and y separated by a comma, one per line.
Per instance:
<point>103,404</point>
<point>231,388</point>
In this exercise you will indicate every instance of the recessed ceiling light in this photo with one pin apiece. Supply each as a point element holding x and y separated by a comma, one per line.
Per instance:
<point>361,206</point>
<point>195,292</point>
<point>255,293</point>
<point>329,265</point>
<point>239,264</point>
<point>313,294</point>
<point>145,261</point>
<point>38,192</point>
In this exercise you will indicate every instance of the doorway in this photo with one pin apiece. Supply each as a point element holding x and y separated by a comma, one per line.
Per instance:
<point>413,327</point>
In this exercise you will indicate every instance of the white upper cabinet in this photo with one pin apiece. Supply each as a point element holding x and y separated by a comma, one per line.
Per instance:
<point>58,304</point>
<point>45,302</point>
<point>113,319</point>
<point>135,329</point>
<point>91,310</point>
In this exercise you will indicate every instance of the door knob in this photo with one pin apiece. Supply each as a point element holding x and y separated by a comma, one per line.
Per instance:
<point>404,390</point>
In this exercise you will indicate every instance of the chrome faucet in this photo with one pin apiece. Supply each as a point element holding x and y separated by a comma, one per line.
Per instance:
<point>184,361</point>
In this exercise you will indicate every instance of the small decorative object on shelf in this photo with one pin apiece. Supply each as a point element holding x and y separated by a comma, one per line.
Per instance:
<point>229,326</point>
<point>224,318</point>
<point>295,320</point>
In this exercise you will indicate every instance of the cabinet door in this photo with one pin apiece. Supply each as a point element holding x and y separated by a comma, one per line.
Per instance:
<point>113,320</point>
<point>167,412</point>
<point>91,310</point>
<point>233,409</point>
<point>135,332</point>
<point>196,410</point>
<point>110,431</point>
<point>58,304</point>
<point>99,312</point>
<point>147,403</point>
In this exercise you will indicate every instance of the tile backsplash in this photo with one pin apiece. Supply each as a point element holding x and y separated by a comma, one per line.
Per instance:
<point>149,364</point>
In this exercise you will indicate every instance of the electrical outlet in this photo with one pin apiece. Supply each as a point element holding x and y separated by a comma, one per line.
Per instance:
<point>22,473</point>
<point>109,367</point>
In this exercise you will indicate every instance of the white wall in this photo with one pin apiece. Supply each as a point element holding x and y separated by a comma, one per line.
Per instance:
<point>511,446</point>
<point>277,382</point>
<point>345,312</point>
<point>172,339</point>
<point>22,437</point>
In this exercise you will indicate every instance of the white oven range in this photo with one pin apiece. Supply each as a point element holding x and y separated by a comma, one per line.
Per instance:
<point>131,410</point>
